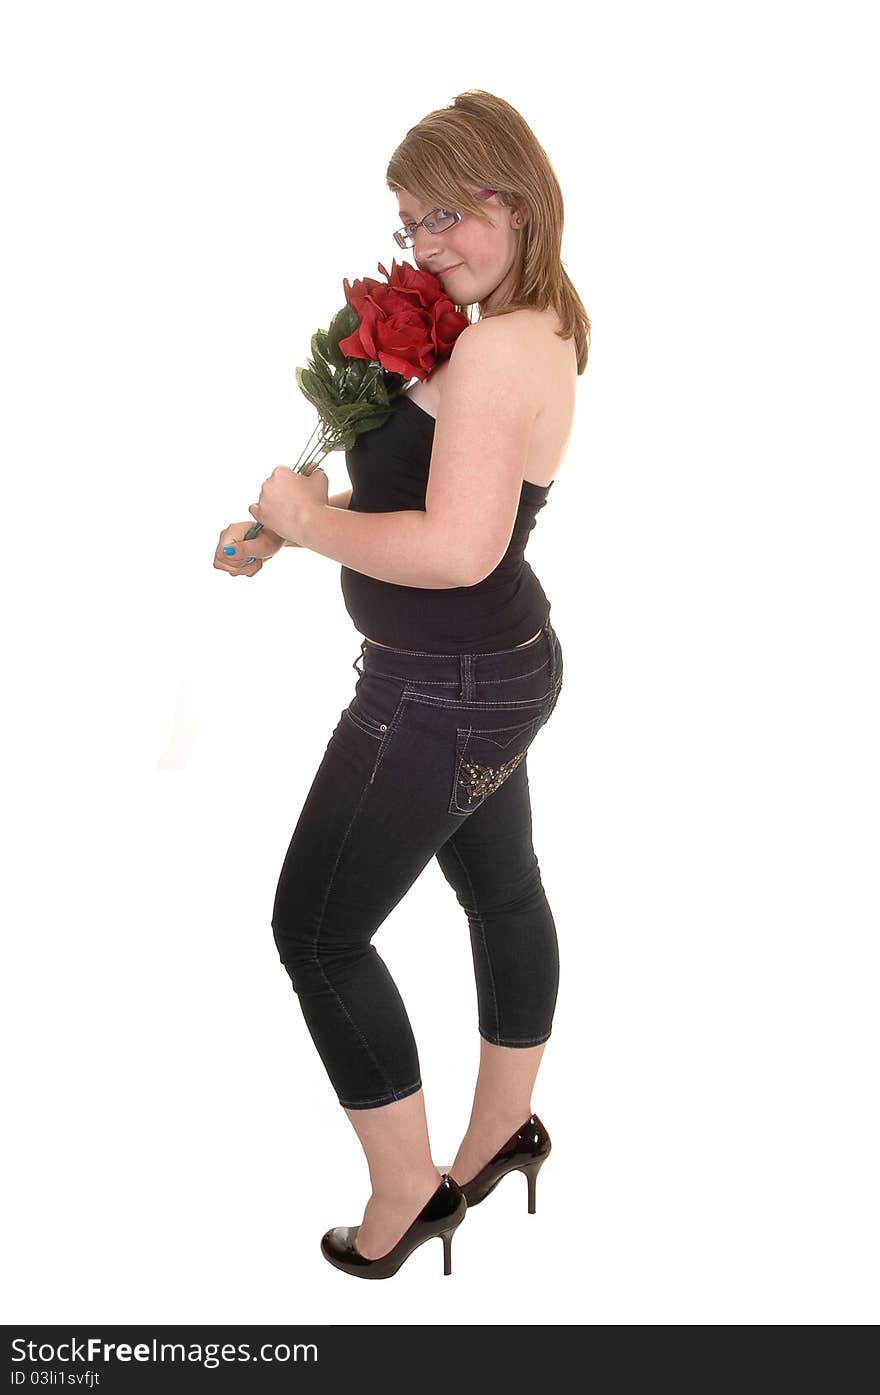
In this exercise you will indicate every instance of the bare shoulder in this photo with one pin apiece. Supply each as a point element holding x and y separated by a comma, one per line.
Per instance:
<point>534,333</point>
<point>483,335</point>
<point>521,347</point>
<point>503,350</point>
<point>518,328</point>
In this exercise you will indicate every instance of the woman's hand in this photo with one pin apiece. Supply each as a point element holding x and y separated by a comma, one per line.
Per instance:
<point>287,498</point>
<point>263,546</point>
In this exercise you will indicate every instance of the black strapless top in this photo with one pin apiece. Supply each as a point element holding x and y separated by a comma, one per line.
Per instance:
<point>388,468</point>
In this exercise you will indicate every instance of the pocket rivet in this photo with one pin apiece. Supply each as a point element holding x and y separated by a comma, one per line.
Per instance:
<point>383,726</point>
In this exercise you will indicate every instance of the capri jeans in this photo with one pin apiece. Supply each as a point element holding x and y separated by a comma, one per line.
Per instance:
<point>428,760</point>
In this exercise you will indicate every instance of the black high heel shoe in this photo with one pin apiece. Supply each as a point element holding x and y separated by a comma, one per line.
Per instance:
<point>441,1215</point>
<point>525,1151</point>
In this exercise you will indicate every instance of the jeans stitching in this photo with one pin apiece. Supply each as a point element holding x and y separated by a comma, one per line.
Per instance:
<point>454,682</point>
<point>516,677</point>
<point>479,920</point>
<point>383,1099</point>
<point>462,741</point>
<point>361,725</point>
<point>474,704</point>
<point>387,735</point>
<point>464,734</point>
<point>428,682</point>
<point>320,966</point>
<point>498,1040</point>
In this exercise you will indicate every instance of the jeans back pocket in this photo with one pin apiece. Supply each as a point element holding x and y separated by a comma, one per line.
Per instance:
<point>484,758</point>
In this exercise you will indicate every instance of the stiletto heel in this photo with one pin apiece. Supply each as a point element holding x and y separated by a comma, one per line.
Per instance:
<point>525,1151</point>
<point>531,1170</point>
<point>447,1251</point>
<point>441,1215</point>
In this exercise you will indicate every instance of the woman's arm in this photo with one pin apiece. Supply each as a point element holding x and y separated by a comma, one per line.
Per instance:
<point>404,547</point>
<point>492,394</point>
<point>336,501</point>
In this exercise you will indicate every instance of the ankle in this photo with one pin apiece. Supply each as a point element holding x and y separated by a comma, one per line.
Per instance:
<point>398,1187</point>
<point>494,1122</point>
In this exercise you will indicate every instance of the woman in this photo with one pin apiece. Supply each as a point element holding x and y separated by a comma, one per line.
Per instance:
<point>461,669</point>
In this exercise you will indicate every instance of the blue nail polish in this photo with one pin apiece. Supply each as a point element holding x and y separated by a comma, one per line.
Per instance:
<point>230,551</point>
<point>252,559</point>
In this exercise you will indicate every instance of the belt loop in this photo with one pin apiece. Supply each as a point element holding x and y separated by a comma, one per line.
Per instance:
<point>551,640</point>
<point>466,662</point>
<point>361,655</point>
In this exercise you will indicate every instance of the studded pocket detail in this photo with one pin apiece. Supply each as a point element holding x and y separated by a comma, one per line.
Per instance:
<point>484,759</point>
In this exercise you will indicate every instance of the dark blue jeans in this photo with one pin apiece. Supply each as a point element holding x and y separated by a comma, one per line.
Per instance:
<point>428,760</point>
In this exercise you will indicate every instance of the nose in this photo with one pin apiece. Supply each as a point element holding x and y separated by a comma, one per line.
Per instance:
<point>428,248</point>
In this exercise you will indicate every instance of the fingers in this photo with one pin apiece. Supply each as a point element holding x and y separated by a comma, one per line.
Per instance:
<point>241,556</point>
<point>241,548</point>
<point>235,552</point>
<point>243,567</point>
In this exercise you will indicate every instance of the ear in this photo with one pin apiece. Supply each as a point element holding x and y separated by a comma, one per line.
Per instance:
<point>518,212</point>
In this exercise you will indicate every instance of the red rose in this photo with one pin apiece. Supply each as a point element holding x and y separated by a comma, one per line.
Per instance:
<point>407,325</point>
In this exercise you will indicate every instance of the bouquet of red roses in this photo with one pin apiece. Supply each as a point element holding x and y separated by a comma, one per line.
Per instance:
<point>382,337</point>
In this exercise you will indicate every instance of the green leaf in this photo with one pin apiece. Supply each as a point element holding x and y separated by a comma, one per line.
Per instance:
<point>369,423</point>
<point>320,362</point>
<point>312,387</point>
<point>335,355</point>
<point>357,371</point>
<point>344,322</point>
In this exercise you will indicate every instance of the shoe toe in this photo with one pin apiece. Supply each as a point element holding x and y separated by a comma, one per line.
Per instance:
<point>338,1243</point>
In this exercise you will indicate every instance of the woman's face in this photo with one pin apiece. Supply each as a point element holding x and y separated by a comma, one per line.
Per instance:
<point>487,252</point>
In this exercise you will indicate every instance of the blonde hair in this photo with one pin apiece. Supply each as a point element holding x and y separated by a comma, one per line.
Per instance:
<point>481,141</point>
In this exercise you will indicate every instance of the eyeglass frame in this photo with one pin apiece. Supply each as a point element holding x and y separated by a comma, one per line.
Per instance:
<point>401,233</point>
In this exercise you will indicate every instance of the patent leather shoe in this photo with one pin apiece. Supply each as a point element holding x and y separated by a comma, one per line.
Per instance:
<point>525,1151</point>
<point>441,1215</point>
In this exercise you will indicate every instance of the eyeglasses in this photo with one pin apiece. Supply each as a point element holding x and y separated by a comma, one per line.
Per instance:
<point>437,221</point>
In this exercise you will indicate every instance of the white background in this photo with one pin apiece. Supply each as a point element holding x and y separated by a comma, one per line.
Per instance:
<point>185,187</point>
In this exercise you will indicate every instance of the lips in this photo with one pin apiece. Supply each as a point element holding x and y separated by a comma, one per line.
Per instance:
<point>445,269</point>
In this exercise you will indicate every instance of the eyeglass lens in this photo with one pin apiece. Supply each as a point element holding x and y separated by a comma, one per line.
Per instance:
<point>440,223</point>
<point>433,223</point>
